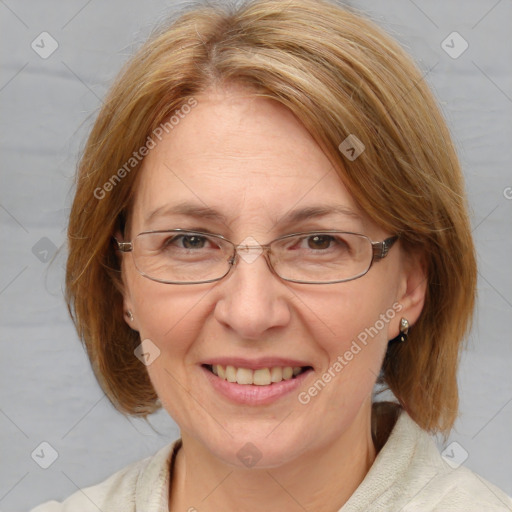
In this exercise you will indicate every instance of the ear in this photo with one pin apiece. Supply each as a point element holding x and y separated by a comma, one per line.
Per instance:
<point>128,309</point>
<point>129,318</point>
<point>412,289</point>
<point>129,314</point>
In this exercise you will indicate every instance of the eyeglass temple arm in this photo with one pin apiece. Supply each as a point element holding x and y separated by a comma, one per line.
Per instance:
<point>123,246</point>
<point>381,249</point>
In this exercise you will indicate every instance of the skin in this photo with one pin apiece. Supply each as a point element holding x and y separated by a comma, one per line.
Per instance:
<point>253,161</point>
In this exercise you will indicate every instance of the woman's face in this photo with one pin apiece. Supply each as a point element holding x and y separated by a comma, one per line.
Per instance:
<point>251,161</point>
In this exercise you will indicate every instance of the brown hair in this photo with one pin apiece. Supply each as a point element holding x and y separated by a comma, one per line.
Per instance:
<point>340,75</point>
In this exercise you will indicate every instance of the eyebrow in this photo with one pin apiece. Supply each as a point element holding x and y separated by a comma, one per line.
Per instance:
<point>294,216</point>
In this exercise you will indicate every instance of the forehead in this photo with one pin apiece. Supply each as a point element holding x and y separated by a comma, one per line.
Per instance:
<point>245,157</point>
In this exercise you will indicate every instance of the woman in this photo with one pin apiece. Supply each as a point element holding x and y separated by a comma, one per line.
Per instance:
<point>269,221</point>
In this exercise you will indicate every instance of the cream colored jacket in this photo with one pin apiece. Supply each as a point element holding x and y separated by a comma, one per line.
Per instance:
<point>408,475</point>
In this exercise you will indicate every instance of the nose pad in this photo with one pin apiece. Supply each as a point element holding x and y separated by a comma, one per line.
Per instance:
<point>249,249</point>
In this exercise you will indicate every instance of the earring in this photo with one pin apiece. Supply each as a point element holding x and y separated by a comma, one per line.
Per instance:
<point>129,315</point>
<point>404,331</point>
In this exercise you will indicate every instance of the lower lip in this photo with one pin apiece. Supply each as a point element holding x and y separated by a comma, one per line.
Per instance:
<point>250,394</point>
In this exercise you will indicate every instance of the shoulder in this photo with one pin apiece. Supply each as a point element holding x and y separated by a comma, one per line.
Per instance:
<point>461,489</point>
<point>439,484</point>
<point>137,484</point>
<point>409,474</point>
<point>448,485</point>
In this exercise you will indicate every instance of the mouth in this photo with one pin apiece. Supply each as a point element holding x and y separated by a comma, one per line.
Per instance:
<point>256,377</point>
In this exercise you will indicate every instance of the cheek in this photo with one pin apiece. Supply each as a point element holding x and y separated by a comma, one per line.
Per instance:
<point>165,314</point>
<point>351,330</point>
<point>351,312</point>
<point>161,310</point>
<point>171,318</point>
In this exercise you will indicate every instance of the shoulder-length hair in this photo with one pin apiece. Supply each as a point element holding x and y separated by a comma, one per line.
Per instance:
<point>340,75</point>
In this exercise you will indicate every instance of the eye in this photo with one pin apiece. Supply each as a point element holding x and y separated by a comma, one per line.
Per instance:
<point>320,241</point>
<point>189,241</point>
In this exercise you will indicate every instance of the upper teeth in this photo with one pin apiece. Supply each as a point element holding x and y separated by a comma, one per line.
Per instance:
<point>260,377</point>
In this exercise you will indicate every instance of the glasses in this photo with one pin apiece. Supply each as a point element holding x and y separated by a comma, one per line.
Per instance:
<point>179,256</point>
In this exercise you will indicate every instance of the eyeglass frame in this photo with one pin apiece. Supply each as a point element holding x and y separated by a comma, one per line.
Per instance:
<point>379,251</point>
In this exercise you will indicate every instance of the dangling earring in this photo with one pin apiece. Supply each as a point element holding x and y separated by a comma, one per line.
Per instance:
<point>404,331</point>
<point>129,315</point>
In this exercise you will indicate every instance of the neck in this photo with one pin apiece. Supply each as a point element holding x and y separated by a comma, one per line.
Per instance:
<point>321,480</point>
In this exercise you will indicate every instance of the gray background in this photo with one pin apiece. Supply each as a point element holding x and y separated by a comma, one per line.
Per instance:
<point>47,390</point>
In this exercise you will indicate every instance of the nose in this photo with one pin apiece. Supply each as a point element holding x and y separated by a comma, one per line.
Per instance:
<point>253,299</point>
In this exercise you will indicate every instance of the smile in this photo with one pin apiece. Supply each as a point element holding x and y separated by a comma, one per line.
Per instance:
<point>258,377</point>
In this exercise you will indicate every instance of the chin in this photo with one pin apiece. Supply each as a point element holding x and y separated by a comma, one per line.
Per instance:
<point>258,446</point>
